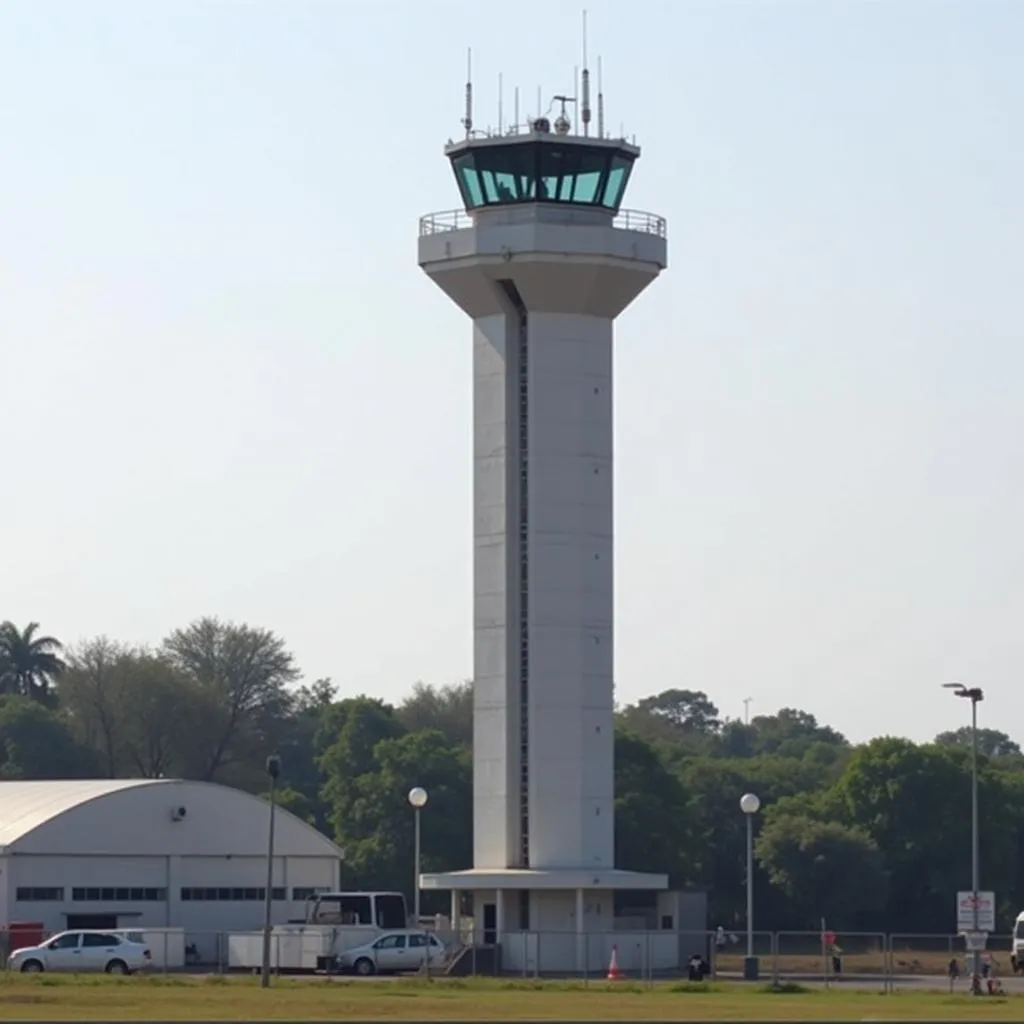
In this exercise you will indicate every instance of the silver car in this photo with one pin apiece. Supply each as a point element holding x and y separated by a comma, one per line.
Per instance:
<point>395,951</point>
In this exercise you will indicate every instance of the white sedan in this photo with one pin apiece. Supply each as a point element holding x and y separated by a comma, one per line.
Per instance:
<point>82,951</point>
<point>394,951</point>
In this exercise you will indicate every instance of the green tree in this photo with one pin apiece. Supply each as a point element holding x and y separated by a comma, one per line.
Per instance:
<point>717,855</point>
<point>345,741</point>
<point>915,802</point>
<point>244,672</point>
<point>377,827</point>
<point>991,742</point>
<point>36,743</point>
<point>136,709</point>
<point>294,802</point>
<point>296,743</point>
<point>791,733</point>
<point>89,692</point>
<point>446,708</point>
<point>824,868</point>
<point>161,710</point>
<point>651,814</point>
<point>29,663</point>
<point>684,719</point>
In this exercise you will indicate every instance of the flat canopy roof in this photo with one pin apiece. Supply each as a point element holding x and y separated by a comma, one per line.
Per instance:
<point>517,878</point>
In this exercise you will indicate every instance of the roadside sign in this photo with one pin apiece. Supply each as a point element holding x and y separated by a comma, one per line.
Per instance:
<point>975,941</point>
<point>986,912</point>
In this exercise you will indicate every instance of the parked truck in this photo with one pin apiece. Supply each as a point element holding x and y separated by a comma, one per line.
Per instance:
<point>333,923</point>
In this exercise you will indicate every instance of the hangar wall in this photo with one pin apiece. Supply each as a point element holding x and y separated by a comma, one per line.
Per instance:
<point>125,857</point>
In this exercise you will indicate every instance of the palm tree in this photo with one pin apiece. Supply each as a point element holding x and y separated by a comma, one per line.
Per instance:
<point>29,664</point>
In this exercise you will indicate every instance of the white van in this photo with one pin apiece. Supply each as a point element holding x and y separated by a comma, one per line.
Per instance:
<point>1017,945</point>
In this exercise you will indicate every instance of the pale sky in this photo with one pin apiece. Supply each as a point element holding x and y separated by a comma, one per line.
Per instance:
<point>228,388</point>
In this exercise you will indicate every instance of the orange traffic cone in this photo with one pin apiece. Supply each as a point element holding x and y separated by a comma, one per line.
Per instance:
<point>614,974</point>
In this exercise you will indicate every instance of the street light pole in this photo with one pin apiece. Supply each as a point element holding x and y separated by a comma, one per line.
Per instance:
<point>418,800</point>
<point>975,695</point>
<point>273,770</point>
<point>750,804</point>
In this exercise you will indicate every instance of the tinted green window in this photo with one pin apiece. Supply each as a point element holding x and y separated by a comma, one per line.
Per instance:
<point>550,172</point>
<point>587,184</point>
<point>507,173</point>
<point>469,183</point>
<point>617,179</point>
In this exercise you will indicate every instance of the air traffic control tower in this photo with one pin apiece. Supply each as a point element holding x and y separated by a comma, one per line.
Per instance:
<point>543,258</point>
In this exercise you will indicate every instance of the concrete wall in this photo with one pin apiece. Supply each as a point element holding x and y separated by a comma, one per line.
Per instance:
<point>495,604</point>
<point>571,593</point>
<point>555,911</point>
<point>556,953</point>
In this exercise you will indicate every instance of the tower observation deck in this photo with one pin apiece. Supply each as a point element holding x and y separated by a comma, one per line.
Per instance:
<point>542,258</point>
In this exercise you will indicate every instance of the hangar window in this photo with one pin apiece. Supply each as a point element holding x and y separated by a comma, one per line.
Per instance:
<point>39,894</point>
<point>119,894</point>
<point>232,895</point>
<point>307,892</point>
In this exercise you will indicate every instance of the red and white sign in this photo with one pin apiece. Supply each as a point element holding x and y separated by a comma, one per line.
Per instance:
<point>986,912</point>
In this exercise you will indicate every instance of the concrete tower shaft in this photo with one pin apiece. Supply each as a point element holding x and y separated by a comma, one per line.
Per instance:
<point>543,280</point>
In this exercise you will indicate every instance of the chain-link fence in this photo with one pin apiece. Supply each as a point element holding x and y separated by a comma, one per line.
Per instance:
<point>831,957</point>
<point>859,959</point>
<point>928,960</point>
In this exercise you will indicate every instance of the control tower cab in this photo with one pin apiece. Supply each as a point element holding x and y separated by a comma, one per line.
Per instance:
<point>527,196</point>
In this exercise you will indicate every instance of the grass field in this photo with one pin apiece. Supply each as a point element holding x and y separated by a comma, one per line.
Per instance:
<point>69,998</point>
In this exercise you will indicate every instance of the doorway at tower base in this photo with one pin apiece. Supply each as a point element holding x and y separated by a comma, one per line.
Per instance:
<point>540,932</point>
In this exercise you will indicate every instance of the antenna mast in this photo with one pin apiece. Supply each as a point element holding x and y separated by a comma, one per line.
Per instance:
<point>501,104</point>
<point>576,87</point>
<point>600,102</point>
<point>585,116</point>
<point>467,121</point>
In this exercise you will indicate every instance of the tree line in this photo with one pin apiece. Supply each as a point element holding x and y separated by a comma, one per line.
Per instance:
<point>873,837</point>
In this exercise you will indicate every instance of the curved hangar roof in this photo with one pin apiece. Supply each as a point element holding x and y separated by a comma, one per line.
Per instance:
<point>119,817</point>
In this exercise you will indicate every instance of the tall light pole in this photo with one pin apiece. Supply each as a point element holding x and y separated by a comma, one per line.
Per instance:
<point>273,770</point>
<point>975,695</point>
<point>418,800</point>
<point>750,804</point>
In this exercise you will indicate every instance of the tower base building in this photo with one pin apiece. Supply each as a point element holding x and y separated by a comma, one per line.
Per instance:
<point>542,258</point>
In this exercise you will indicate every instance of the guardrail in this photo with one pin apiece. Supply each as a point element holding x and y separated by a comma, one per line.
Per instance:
<point>446,220</point>
<point>625,220</point>
<point>641,220</point>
